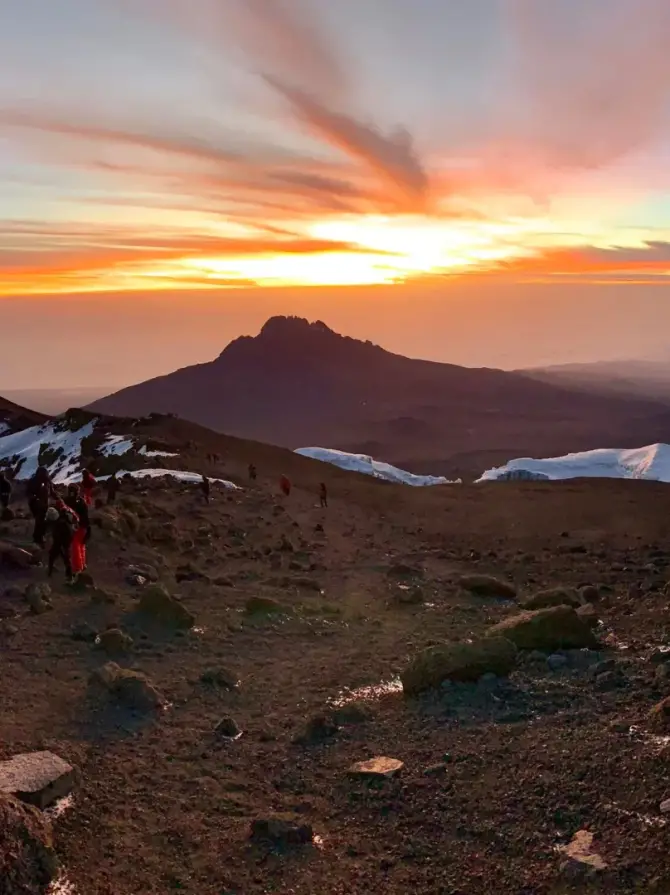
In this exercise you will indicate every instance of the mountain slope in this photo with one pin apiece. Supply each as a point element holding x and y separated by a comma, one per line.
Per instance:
<point>13,418</point>
<point>299,383</point>
<point>649,380</point>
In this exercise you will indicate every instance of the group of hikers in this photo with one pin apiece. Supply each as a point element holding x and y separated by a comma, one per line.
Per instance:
<point>65,517</point>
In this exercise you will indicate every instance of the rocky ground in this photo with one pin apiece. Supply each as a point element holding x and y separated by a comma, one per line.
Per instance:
<point>304,607</point>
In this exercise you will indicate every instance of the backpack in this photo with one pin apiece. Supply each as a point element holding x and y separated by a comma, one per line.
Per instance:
<point>70,519</point>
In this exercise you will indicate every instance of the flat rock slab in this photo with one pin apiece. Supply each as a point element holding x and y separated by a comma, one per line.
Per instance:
<point>580,854</point>
<point>377,768</point>
<point>38,778</point>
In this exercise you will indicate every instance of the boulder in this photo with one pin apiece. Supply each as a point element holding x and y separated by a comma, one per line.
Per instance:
<point>580,860</point>
<point>548,630</point>
<point>127,687</point>
<point>100,597</point>
<point>556,596</point>
<point>159,606</point>
<point>39,778</point>
<point>28,862</point>
<point>228,728</point>
<point>15,557</point>
<point>660,716</point>
<point>114,641</point>
<point>589,593</point>
<point>281,831</point>
<point>149,573</point>
<point>487,586</point>
<point>458,662</point>
<point>381,768</point>
<point>37,596</point>
<point>263,606</point>
<point>356,712</point>
<point>317,730</point>
<point>84,632</point>
<point>589,614</point>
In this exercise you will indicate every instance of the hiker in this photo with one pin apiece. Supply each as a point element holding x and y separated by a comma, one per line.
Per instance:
<point>252,472</point>
<point>62,524</point>
<point>75,502</point>
<point>88,483</point>
<point>285,485</point>
<point>323,494</point>
<point>5,491</point>
<point>205,487</point>
<point>112,487</point>
<point>39,491</point>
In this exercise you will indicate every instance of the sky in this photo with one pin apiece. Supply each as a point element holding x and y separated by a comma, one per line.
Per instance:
<point>170,170</point>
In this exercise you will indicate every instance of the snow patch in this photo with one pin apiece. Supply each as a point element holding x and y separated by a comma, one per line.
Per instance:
<point>376,468</point>
<point>190,478</point>
<point>62,449</point>
<point>4,428</point>
<point>651,463</point>
<point>115,446</point>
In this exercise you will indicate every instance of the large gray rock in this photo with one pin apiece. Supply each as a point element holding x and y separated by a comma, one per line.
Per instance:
<point>39,778</point>
<point>28,862</point>
<point>556,596</point>
<point>127,687</point>
<point>548,630</point>
<point>488,586</point>
<point>465,662</point>
<point>159,606</point>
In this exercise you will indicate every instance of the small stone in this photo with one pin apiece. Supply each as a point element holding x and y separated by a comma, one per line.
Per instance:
<point>114,641</point>
<point>228,728</point>
<point>130,688</point>
<point>487,586</point>
<point>84,632</point>
<point>351,713</point>
<point>39,778</point>
<point>281,831</point>
<point>609,680</point>
<point>84,581</point>
<point>159,606</point>
<point>602,667</point>
<point>662,672</point>
<point>149,573</point>
<point>589,593</point>
<point>589,614</point>
<point>377,768</point>
<point>557,662</point>
<point>8,629</point>
<point>660,715</point>
<point>317,730</point>
<point>220,677</point>
<point>488,680</point>
<point>660,656</point>
<point>557,596</point>
<point>580,857</point>
<point>101,597</point>
<point>665,807</point>
<point>37,596</point>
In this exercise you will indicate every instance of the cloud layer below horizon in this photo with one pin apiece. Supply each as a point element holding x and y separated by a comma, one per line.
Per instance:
<point>281,142</point>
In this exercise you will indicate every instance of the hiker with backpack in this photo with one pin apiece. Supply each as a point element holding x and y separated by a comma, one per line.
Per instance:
<point>113,485</point>
<point>75,502</point>
<point>39,491</point>
<point>285,485</point>
<point>206,488</point>
<point>323,495</point>
<point>62,523</point>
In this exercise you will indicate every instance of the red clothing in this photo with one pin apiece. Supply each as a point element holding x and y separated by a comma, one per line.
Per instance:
<point>78,551</point>
<point>88,483</point>
<point>285,485</point>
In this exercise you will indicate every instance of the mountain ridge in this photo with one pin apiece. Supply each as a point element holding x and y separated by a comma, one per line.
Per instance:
<point>299,382</point>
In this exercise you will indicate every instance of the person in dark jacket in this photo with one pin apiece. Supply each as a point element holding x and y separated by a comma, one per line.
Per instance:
<point>113,485</point>
<point>5,491</point>
<point>61,524</point>
<point>323,494</point>
<point>78,505</point>
<point>39,491</point>
<point>206,488</point>
<point>253,474</point>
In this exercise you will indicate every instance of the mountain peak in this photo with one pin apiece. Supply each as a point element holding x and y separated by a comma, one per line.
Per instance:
<point>293,326</point>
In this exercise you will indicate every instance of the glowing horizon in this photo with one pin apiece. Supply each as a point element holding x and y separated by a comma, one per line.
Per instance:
<point>285,178</point>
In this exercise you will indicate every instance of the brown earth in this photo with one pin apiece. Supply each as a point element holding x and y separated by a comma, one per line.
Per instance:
<point>515,768</point>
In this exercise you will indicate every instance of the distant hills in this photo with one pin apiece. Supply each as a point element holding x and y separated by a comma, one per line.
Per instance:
<point>299,383</point>
<point>627,378</point>
<point>13,418</point>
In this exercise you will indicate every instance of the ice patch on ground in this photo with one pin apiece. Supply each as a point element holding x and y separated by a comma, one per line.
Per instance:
<point>651,463</point>
<point>4,428</point>
<point>60,447</point>
<point>368,466</point>
<point>190,478</point>
<point>116,446</point>
<point>144,452</point>
<point>367,694</point>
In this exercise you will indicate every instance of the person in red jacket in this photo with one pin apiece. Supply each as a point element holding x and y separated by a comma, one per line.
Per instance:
<point>285,485</point>
<point>75,502</point>
<point>88,483</point>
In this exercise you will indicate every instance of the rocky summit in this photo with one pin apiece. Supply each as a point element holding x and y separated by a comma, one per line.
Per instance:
<point>241,697</point>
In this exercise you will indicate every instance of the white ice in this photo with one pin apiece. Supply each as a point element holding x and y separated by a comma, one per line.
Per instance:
<point>147,453</point>
<point>651,463</point>
<point>190,478</point>
<point>366,465</point>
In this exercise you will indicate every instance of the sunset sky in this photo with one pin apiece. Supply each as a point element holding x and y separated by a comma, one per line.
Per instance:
<point>235,146</point>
